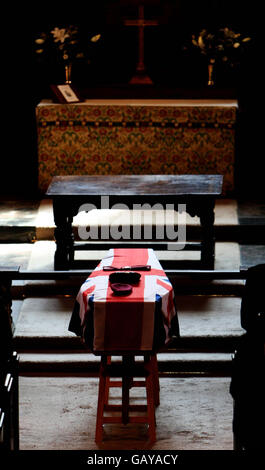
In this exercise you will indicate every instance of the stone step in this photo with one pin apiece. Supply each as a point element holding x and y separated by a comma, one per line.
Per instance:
<point>25,222</point>
<point>87,363</point>
<point>225,216</point>
<point>28,221</point>
<point>209,322</point>
<point>18,221</point>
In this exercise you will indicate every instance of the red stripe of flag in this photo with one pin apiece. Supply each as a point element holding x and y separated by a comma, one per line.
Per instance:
<point>164,284</point>
<point>124,315</point>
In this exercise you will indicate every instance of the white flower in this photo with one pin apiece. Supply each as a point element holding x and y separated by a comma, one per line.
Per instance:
<point>59,35</point>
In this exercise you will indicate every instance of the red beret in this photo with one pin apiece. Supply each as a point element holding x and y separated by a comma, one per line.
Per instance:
<point>121,289</point>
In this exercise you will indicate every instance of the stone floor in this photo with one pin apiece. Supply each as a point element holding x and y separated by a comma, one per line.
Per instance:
<point>194,413</point>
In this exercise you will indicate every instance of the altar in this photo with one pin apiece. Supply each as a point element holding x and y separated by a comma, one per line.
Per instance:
<point>138,136</point>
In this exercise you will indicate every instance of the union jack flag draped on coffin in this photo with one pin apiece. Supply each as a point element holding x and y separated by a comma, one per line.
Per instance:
<point>143,321</point>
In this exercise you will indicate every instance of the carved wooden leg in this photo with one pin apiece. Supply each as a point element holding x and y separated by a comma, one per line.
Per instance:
<point>64,255</point>
<point>208,241</point>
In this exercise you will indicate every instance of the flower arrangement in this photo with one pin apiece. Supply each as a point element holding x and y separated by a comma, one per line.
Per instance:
<point>65,45</point>
<point>224,45</point>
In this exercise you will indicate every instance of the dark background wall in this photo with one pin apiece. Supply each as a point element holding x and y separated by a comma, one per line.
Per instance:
<point>174,72</point>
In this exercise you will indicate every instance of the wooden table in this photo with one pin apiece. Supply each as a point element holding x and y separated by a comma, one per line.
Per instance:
<point>69,193</point>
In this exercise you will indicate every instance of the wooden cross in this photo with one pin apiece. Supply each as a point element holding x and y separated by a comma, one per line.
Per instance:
<point>141,76</point>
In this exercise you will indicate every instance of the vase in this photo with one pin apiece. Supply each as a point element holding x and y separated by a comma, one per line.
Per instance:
<point>211,72</point>
<point>68,73</point>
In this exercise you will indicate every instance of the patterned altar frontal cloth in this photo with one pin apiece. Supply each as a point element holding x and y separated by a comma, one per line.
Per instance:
<point>142,321</point>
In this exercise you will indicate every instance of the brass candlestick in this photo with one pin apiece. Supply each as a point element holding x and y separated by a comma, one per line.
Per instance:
<point>210,72</point>
<point>68,73</point>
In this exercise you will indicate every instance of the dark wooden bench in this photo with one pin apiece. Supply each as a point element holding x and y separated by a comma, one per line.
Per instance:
<point>197,192</point>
